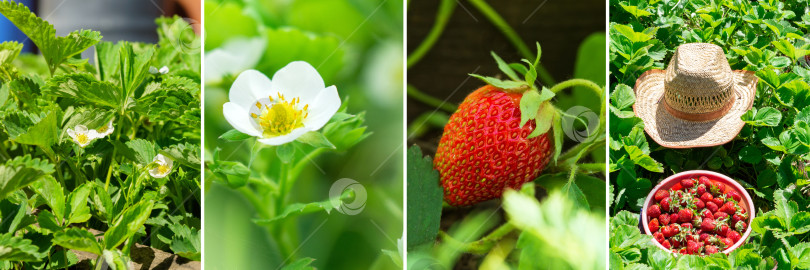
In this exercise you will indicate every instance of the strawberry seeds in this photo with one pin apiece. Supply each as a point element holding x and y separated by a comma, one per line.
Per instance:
<point>697,216</point>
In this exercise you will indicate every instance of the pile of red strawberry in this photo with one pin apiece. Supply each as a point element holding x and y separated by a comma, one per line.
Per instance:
<point>697,217</point>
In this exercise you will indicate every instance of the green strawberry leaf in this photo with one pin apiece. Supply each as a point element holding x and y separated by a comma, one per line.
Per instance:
<point>500,83</point>
<point>315,139</point>
<point>8,51</point>
<point>77,239</point>
<point>17,248</point>
<point>424,205</point>
<point>300,264</point>
<point>504,67</point>
<point>558,135</point>
<point>543,120</point>
<point>127,224</point>
<point>297,209</point>
<point>234,136</point>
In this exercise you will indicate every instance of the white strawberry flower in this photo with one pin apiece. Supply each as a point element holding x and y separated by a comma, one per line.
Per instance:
<point>105,130</point>
<point>280,110</point>
<point>162,166</point>
<point>82,136</point>
<point>163,70</point>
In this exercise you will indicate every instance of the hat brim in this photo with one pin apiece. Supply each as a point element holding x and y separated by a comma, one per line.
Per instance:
<point>673,132</point>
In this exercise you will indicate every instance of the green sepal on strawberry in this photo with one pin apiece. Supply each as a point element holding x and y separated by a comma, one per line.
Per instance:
<point>500,137</point>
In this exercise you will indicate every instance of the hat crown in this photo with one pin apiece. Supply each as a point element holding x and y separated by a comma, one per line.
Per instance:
<point>698,79</point>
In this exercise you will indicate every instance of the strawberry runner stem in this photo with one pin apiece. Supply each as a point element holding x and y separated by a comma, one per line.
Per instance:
<point>415,93</point>
<point>442,17</point>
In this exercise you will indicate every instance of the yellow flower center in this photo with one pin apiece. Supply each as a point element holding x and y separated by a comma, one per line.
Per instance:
<point>281,117</point>
<point>163,169</point>
<point>81,138</point>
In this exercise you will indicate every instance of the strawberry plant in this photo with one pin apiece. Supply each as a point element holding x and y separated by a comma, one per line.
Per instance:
<point>303,143</point>
<point>505,147</point>
<point>768,157</point>
<point>99,160</point>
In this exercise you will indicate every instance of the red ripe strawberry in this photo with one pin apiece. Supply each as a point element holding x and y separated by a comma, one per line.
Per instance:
<point>723,231</point>
<point>704,237</point>
<point>665,204</point>
<point>737,217</point>
<point>688,226</point>
<point>654,211</point>
<point>708,225</point>
<point>692,247</point>
<point>712,206</point>
<point>661,194</point>
<point>659,237</point>
<point>675,244</point>
<point>688,182</point>
<point>698,203</point>
<point>676,228</point>
<point>685,215</point>
<point>484,150</point>
<point>707,197</point>
<point>673,218</point>
<point>703,180</point>
<point>727,243</point>
<point>706,213</point>
<point>701,189</point>
<point>718,188</point>
<point>718,201</point>
<point>683,251</point>
<point>720,215</point>
<point>663,219</point>
<point>653,225</point>
<point>667,231</point>
<point>740,226</point>
<point>734,195</point>
<point>666,244</point>
<point>711,249</point>
<point>730,208</point>
<point>734,236</point>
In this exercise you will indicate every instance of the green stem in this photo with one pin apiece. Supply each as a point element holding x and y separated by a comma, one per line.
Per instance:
<point>513,37</point>
<point>482,245</point>
<point>574,151</point>
<point>442,17</point>
<point>115,151</point>
<point>414,93</point>
<point>585,168</point>
<point>577,82</point>
<point>176,195</point>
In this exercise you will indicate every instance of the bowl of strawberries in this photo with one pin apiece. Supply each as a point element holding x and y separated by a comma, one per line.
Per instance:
<point>698,212</point>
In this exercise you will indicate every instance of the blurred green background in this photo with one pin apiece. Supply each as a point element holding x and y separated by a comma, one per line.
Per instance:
<point>357,46</point>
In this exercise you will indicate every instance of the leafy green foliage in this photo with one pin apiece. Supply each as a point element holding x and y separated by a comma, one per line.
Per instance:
<point>425,200</point>
<point>768,157</point>
<point>17,248</point>
<point>59,190</point>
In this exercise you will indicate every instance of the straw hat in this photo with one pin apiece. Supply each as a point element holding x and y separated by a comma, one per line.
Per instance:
<point>697,101</point>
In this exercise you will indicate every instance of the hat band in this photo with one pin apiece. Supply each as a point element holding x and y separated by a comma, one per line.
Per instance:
<point>700,116</point>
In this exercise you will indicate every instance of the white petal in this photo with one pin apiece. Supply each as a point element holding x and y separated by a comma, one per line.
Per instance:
<point>249,87</point>
<point>71,133</point>
<point>239,119</point>
<point>92,135</point>
<point>323,108</point>
<point>159,159</point>
<point>164,70</point>
<point>236,55</point>
<point>81,129</point>
<point>153,70</point>
<point>279,140</point>
<point>156,173</point>
<point>298,79</point>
